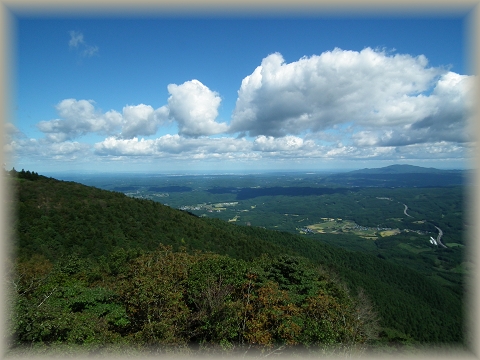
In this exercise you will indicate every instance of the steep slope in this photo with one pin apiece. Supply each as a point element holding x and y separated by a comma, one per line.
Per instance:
<point>57,218</point>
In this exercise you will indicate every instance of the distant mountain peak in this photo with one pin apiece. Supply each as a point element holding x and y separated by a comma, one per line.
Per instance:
<point>397,169</point>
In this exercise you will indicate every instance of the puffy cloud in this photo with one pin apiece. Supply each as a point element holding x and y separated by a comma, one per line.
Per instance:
<point>79,117</point>
<point>171,145</point>
<point>385,97</point>
<point>41,149</point>
<point>113,146</point>
<point>195,108</point>
<point>179,148</point>
<point>195,147</point>
<point>192,105</point>
<point>452,111</point>
<point>262,147</point>
<point>448,113</point>
<point>368,138</point>
<point>142,120</point>
<point>67,150</point>
<point>353,152</point>
<point>287,143</point>
<point>441,150</point>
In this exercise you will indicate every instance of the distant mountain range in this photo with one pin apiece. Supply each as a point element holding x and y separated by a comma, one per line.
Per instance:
<point>398,176</point>
<point>402,169</point>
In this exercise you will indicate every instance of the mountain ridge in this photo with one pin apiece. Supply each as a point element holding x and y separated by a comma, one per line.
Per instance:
<point>402,169</point>
<point>57,217</point>
<point>399,175</point>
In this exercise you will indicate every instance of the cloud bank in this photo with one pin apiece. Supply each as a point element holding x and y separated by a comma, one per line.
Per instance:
<point>338,105</point>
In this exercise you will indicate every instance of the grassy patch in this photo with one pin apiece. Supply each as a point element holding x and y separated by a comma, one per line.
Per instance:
<point>389,232</point>
<point>454,245</point>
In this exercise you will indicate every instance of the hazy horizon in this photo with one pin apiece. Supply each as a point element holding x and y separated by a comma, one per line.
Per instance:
<point>73,174</point>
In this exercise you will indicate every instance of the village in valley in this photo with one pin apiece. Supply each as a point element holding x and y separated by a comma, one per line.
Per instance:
<point>336,226</point>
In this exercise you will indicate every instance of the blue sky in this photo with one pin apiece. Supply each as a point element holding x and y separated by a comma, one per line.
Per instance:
<point>239,92</point>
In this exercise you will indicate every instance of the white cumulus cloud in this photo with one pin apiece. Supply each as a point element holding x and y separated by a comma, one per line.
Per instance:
<point>195,108</point>
<point>142,120</point>
<point>42,149</point>
<point>448,114</point>
<point>374,91</point>
<point>79,117</point>
<point>271,144</point>
<point>114,146</point>
<point>172,145</point>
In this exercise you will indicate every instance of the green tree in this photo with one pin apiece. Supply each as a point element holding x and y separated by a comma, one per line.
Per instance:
<point>214,293</point>
<point>152,290</point>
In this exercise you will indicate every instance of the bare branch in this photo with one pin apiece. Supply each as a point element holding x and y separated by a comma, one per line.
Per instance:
<point>47,296</point>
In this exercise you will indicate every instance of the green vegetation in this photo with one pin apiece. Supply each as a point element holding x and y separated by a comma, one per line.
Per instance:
<point>166,298</point>
<point>107,269</point>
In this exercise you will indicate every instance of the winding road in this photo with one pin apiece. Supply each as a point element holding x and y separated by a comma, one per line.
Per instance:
<point>440,232</point>
<point>405,210</point>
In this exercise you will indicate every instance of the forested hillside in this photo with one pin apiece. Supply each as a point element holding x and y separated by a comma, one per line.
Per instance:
<point>108,269</point>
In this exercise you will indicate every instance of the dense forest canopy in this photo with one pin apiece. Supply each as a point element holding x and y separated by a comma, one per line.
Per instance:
<point>108,269</point>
